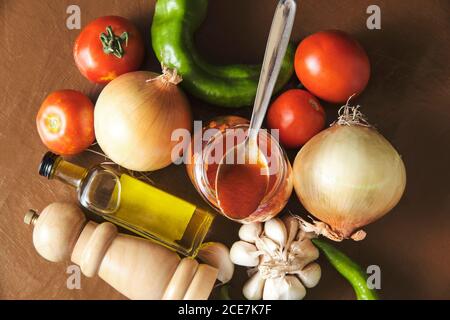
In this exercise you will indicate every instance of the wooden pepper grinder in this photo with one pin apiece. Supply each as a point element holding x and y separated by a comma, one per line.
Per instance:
<point>137,268</point>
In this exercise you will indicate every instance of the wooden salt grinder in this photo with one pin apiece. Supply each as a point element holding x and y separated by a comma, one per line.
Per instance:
<point>137,268</point>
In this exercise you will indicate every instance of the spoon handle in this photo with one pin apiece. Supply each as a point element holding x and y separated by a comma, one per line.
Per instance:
<point>277,43</point>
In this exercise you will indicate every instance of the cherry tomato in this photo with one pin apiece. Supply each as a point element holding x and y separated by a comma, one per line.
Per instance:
<point>332,66</point>
<point>298,115</point>
<point>65,122</point>
<point>108,47</point>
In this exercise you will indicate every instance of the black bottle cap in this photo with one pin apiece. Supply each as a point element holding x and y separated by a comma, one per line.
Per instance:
<point>46,166</point>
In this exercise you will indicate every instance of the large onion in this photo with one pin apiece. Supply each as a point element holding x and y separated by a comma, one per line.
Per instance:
<point>135,116</point>
<point>348,176</point>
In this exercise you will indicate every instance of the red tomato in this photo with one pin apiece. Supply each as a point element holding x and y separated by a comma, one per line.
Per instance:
<point>126,49</point>
<point>332,66</point>
<point>65,122</point>
<point>298,115</point>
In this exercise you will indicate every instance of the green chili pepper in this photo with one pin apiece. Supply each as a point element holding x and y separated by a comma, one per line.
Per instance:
<point>173,28</point>
<point>348,269</point>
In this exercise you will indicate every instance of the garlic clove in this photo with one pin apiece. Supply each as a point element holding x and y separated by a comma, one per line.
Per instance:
<point>310,275</point>
<point>310,235</point>
<point>304,249</point>
<point>268,246</point>
<point>284,288</point>
<point>253,288</point>
<point>250,232</point>
<point>244,254</point>
<point>296,264</point>
<point>217,255</point>
<point>292,226</point>
<point>276,230</point>
<point>302,234</point>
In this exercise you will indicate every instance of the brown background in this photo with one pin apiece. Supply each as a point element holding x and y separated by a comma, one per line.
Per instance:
<point>407,99</point>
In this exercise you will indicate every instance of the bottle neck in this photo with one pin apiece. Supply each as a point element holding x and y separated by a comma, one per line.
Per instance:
<point>68,173</point>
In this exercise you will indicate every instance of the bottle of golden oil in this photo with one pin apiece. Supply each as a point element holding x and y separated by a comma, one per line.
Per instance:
<point>133,204</point>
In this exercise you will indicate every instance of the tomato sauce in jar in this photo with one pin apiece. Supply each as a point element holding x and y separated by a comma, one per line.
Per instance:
<point>240,189</point>
<point>242,192</point>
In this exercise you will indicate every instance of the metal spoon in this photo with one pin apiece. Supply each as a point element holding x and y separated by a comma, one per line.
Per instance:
<point>277,43</point>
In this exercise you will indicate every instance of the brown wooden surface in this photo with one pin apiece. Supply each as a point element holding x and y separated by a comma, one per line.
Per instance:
<point>407,99</point>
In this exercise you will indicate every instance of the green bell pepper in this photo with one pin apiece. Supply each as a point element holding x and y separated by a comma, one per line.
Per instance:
<point>173,28</point>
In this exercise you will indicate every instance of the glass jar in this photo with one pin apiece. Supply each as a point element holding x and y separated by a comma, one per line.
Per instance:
<point>203,171</point>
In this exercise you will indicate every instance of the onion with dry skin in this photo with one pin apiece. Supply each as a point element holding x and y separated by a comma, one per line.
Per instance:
<point>135,117</point>
<point>348,176</point>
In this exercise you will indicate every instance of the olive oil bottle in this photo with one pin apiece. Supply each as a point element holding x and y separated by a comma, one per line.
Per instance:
<point>133,204</point>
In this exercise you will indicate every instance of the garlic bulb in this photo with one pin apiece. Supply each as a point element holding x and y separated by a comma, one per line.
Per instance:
<point>282,256</point>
